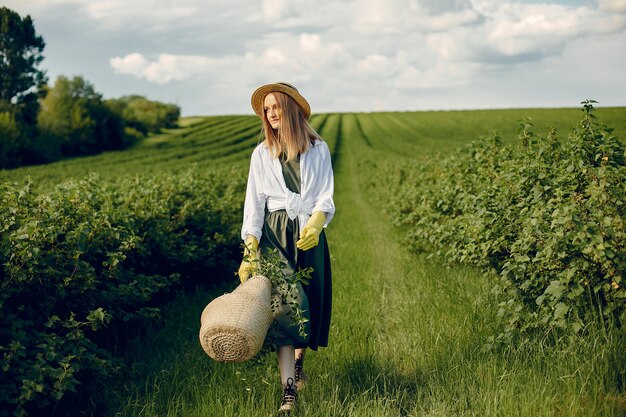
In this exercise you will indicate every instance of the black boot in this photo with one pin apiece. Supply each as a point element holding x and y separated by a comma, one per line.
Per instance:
<point>288,403</point>
<point>301,377</point>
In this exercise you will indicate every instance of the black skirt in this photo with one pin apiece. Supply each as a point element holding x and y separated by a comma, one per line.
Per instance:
<point>282,233</point>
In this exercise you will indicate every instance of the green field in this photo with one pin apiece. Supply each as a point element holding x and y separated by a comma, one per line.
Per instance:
<point>228,140</point>
<point>409,331</point>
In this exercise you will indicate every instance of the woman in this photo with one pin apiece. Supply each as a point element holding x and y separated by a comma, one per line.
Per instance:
<point>289,201</point>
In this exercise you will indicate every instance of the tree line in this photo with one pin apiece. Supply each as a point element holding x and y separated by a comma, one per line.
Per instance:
<point>40,123</point>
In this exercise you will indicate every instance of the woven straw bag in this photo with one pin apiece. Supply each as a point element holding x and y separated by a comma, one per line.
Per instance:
<point>234,326</point>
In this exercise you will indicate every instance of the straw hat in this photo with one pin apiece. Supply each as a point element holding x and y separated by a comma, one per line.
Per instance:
<point>259,96</point>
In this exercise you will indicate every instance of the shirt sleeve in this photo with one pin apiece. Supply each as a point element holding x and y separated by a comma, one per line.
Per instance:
<point>254,205</point>
<point>324,199</point>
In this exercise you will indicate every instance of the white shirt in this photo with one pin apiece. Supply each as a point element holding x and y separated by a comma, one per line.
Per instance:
<point>267,188</point>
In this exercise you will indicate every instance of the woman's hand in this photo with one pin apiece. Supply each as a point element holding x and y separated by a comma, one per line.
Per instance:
<point>310,234</point>
<point>250,264</point>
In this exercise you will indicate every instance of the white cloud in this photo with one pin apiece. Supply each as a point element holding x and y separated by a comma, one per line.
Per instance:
<point>446,46</point>
<point>451,20</point>
<point>134,63</point>
<point>310,43</point>
<point>303,52</point>
<point>149,15</point>
<point>274,9</point>
<point>273,57</point>
<point>144,16</point>
<point>115,13</point>
<point>614,6</point>
<point>166,68</point>
<point>381,16</point>
<point>524,29</point>
<point>104,9</point>
<point>373,63</point>
<point>515,32</point>
<point>402,16</point>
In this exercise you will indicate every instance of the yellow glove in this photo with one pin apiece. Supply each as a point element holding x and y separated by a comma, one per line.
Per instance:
<point>250,263</point>
<point>310,234</point>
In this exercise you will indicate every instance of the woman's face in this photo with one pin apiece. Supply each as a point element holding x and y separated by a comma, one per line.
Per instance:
<point>272,110</point>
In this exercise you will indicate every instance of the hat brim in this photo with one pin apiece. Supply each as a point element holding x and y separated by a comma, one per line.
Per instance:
<point>259,94</point>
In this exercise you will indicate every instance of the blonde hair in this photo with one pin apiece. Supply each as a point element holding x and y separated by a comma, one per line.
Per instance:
<point>294,135</point>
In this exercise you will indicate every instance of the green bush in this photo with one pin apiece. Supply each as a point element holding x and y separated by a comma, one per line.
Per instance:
<point>90,254</point>
<point>9,140</point>
<point>77,116</point>
<point>547,215</point>
<point>143,115</point>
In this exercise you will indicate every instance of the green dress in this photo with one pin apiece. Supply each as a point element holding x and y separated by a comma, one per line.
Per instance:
<point>282,233</point>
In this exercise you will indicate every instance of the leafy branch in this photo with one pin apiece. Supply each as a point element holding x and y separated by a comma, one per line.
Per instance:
<point>285,295</point>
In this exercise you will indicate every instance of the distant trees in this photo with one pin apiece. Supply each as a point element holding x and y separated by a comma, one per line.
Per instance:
<point>74,116</point>
<point>143,115</point>
<point>39,123</point>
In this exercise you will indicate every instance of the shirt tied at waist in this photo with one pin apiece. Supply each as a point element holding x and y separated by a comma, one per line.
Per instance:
<point>294,205</point>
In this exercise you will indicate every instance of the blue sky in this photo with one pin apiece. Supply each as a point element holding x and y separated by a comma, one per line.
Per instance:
<point>354,55</point>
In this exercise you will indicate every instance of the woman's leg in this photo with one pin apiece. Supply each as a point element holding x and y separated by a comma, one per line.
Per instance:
<point>287,377</point>
<point>301,377</point>
<point>286,364</point>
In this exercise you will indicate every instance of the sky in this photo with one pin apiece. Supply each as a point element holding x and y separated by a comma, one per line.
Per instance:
<point>208,56</point>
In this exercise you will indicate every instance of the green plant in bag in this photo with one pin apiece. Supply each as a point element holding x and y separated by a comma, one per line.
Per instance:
<point>284,291</point>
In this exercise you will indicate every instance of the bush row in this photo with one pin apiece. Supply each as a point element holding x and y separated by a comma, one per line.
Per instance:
<point>548,215</point>
<point>91,254</point>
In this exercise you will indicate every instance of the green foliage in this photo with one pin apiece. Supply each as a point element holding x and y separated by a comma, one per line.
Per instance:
<point>20,55</point>
<point>164,241</point>
<point>406,340</point>
<point>548,215</point>
<point>216,140</point>
<point>9,139</point>
<point>143,115</point>
<point>285,289</point>
<point>75,114</point>
<point>90,255</point>
<point>21,86</point>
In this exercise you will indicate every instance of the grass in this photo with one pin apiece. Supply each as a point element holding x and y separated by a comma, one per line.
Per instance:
<point>407,336</point>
